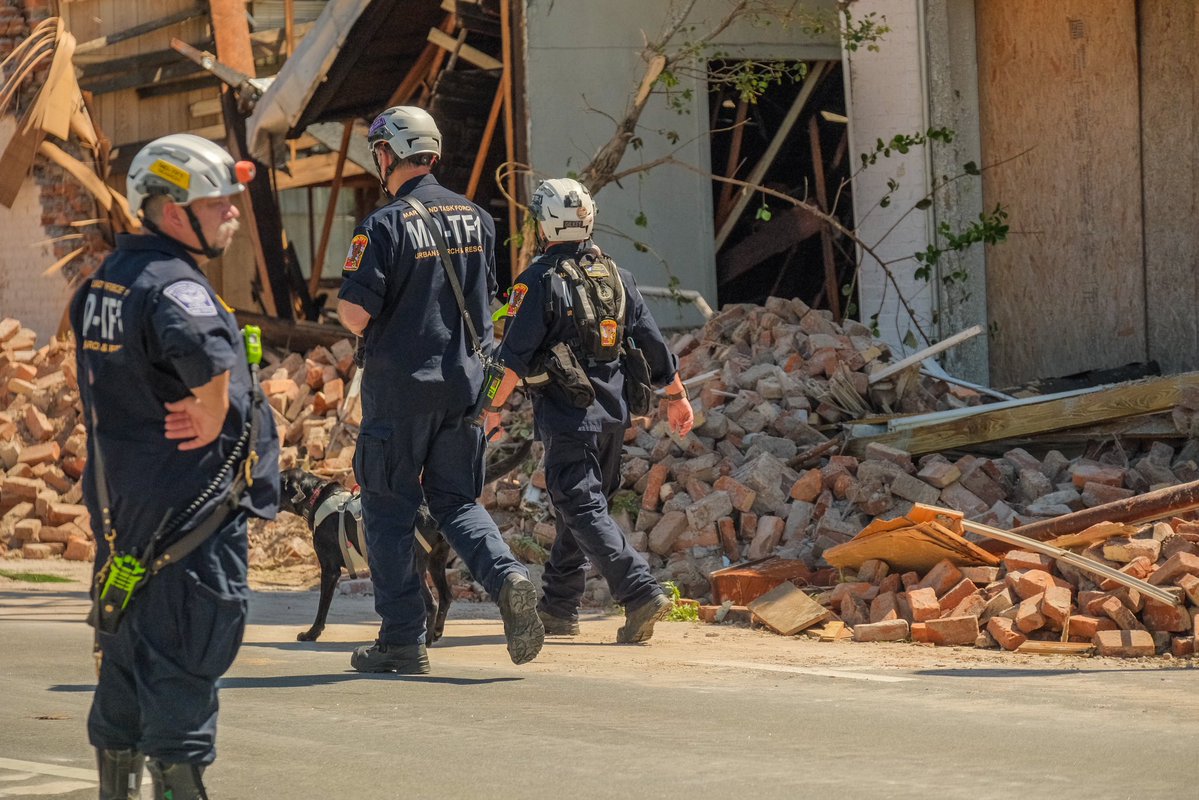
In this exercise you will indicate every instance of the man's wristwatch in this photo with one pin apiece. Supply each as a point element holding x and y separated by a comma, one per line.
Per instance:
<point>676,396</point>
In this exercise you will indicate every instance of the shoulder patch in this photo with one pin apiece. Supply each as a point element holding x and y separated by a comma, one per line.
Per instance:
<point>516,297</point>
<point>357,248</point>
<point>192,298</point>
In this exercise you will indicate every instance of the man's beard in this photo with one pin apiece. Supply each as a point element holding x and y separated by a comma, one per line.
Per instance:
<point>225,233</point>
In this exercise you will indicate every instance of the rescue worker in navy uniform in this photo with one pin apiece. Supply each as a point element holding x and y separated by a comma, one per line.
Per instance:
<point>583,431</point>
<point>420,377</point>
<point>168,397</point>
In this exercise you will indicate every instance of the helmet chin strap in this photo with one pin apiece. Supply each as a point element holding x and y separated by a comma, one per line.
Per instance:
<point>204,249</point>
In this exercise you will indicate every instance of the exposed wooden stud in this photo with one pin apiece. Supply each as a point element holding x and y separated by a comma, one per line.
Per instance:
<point>831,285</point>
<point>726,189</point>
<point>476,171</point>
<point>818,70</point>
<point>932,350</point>
<point>318,261</point>
<point>464,51</point>
<point>138,30</point>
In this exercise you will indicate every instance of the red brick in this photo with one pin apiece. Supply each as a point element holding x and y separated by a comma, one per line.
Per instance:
<point>939,474</point>
<point>1005,632</point>
<point>891,583</point>
<point>1124,644</point>
<point>980,576</point>
<point>873,571</point>
<point>972,606</point>
<point>892,630</point>
<point>884,607</point>
<point>708,537</point>
<point>953,630</point>
<point>65,512</point>
<point>860,590</point>
<point>43,453</point>
<point>1028,615</point>
<point>881,452</point>
<point>1098,494</point>
<point>1178,564</point>
<point>1161,617</point>
<point>1021,560</point>
<point>39,426</point>
<point>1082,473</point>
<point>1055,605</point>
<point>942,577</point>
<point>1033,582</point>
<point>1119,614</point>
<point>28,530</point>
<point>919,633</point>
<point>728,538</point>
<point>749,527</point>
<point>923,604</point>
<point>768,536</point>
<point>655,478</point>
<point>1139,567</point>
<point>1124,551</point>
<point>741,495</point>
<point>959,498</point>
<point>1084,626</point>
<point>808,487</point>
<point>960,591</point>
<point>35,550</point>
<point>910,580</point>
<point>1189,585</point>
<point>79,549</point>
<point>21,488</point>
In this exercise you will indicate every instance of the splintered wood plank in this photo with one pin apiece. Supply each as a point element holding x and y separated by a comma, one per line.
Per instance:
<point>787,610</point>
<point>1056,648</point>
<point>1123,400</point>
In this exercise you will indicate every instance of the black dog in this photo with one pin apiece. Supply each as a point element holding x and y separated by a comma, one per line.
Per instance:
<point>305,494</point>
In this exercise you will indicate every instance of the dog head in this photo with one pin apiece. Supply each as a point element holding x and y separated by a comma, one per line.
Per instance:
<point>298,490</point>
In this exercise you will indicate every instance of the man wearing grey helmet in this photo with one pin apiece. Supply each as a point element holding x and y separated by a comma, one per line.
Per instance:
<point>419,317</point>
<point>181,450</point>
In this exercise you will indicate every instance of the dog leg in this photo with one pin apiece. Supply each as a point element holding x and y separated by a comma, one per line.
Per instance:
<point>330,575</point>
<point>437,566</point>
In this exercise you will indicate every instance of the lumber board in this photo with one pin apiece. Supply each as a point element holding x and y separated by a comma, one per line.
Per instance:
<point>931,350</point>
<point>1124,400</point>
<point>1056,648</point>
<point>1131,510</point>
<point>469,54</point>
<point>787,610</point>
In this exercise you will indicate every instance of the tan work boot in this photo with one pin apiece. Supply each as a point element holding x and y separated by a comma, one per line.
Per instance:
<point>639,622</point>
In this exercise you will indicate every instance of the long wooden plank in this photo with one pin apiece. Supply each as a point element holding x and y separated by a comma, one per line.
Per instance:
<point>1131,510</point>
<point>469,54</point>
<point>1125,400</point>
<point>916,358</point>
<point>138,30</point>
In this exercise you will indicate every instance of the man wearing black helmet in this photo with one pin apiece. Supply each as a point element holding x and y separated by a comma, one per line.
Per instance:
<point>181,449</point>
<point>421,376</point>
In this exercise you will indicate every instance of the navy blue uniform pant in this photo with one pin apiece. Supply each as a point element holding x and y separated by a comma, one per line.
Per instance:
<point>157,690</point>
<point>442,454</point>
<point>582,472</point>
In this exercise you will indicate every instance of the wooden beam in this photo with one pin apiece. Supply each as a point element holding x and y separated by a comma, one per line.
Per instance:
<point>315,170</point>
<point>138,30</point>
<point>476,171</point>
<point>1147,507</point>
<point>831,286</point>
<point>818,71</point>
<point>932,350</point>
<point>1076,410</point>
<point>506,51</point>
<point>734,162</point>
<point>467,53</point>
<point>318,261</point>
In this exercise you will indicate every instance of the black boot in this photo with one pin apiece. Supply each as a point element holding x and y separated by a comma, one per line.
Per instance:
<point>177,781</point>
<point>120,774</point>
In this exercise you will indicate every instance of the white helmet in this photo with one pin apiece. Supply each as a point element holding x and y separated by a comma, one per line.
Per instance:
<point>564,210</point>
<point>185,168</point>
<point>408,130</point>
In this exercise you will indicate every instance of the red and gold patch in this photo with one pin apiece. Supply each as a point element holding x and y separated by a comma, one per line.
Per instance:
<point>357,248</point>
<point>516,297</point>
<point>608,332</point>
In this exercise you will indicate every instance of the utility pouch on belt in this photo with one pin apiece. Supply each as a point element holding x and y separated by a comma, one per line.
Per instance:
<point>638,391</point>
<point>567,376</point>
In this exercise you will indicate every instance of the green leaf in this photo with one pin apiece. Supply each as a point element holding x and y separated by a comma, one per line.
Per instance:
<point>641,220</point>
<point>764,214</point>
<point>970,168</point>
<point>925,203</point>
<point>909,340</point>
<point>640,248</point>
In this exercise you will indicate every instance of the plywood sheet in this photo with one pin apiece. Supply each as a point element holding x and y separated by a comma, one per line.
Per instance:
<point>1169,68</point>
<point>1066,292</point>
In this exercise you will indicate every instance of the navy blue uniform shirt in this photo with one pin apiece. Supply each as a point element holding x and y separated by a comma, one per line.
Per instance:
<point>539,317</point>
<point>418,357</point>
<point>149,328</point>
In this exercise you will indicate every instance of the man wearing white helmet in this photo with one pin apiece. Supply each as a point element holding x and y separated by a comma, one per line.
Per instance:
<point>420,377</point>
<point>576,332</point>
<point>181,450</point>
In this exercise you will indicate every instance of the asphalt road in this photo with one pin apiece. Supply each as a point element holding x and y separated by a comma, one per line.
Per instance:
<point>700,712</point>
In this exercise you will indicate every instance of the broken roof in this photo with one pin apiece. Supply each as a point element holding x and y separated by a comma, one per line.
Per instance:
<point>348,65</point>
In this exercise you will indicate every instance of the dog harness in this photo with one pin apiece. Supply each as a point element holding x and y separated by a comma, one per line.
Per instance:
<point>353,549</point>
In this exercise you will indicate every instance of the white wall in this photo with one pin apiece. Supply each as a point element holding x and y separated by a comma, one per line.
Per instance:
<point>888,96</point>
<point>585,56</point>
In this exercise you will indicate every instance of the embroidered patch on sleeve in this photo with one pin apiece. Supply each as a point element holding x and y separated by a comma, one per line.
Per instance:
<point>516,297</point>
<point>357,248</point>
<point>192,298</point>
